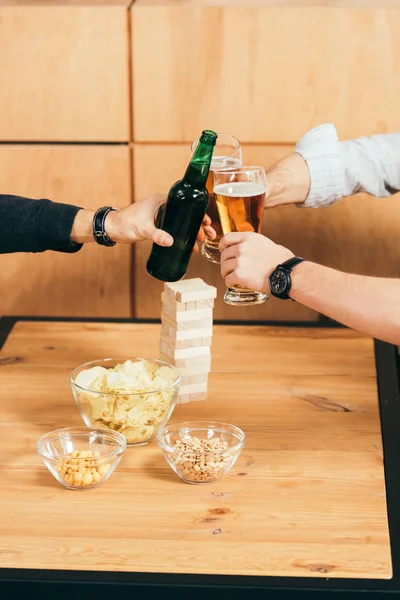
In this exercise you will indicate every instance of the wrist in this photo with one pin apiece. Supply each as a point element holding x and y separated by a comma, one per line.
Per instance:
<point>82,228</point>
<point>301,277</point>
<point>288,182</point>
<point>111,226</point>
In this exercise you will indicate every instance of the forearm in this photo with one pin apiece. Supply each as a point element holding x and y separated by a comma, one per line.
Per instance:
<point>288,181</point>
<point>324,170</point>
<point>367,304</point>
<point>35,225</point>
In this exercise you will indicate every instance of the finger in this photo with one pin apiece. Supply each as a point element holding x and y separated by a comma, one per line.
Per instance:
<point>201,235</point>
<point>206,220</point>
<point>227,267</point>
<point>229,239</point>
<point>160,237</point>
<point>231,280</point>
<point>210,232</point>
<point>230,252</point>
<point>196,248</point>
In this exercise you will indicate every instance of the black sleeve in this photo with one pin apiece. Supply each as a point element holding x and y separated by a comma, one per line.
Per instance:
<point>35,225</point>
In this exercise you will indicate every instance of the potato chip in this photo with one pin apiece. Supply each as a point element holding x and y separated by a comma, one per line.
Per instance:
<point>127,400</point>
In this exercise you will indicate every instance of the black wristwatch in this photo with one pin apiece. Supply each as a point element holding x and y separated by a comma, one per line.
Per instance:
<point>99,232</point>
<point>280,281</point>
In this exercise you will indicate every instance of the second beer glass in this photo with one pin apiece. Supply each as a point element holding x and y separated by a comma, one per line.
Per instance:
<point>227,155</point>
<point>240,196</point>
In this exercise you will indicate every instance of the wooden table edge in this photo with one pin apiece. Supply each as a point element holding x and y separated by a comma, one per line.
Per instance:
<point>388,380</point>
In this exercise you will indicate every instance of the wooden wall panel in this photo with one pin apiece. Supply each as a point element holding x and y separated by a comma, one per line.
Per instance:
<point>93,282</point>
<point>265,74</point>
<point>358,234</point>
<point>64,73</point>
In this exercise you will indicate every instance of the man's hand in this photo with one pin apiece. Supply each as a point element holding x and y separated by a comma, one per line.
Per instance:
<point>248,259</point>
<point>133,223</point>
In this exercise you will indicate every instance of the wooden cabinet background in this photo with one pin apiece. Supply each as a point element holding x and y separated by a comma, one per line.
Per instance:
<point>93,282</point>
<point>64,74</point>
<point>102,93</point>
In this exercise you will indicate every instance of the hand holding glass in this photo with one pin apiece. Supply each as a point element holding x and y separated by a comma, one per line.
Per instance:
<point>240,197</point>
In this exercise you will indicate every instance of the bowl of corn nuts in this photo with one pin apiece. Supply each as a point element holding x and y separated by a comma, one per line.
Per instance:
<point>201,452</point>
<point>81,458</point>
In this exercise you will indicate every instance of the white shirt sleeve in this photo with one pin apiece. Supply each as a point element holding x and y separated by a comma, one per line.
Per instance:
<point>338,169</point>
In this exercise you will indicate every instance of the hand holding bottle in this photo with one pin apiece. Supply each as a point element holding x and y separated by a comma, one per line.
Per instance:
<point>136,222</point>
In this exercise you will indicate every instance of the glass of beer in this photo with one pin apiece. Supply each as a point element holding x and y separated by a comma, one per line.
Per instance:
<point>227,154</point>
<point>240,196</point>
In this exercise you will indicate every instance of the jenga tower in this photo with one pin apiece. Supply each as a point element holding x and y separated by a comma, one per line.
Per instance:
<point>186,333</point>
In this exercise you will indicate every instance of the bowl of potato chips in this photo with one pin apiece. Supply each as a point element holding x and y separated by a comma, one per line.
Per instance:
<point>134,397</point>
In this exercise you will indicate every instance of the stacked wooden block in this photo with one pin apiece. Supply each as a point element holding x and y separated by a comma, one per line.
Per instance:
<point>186,334</point>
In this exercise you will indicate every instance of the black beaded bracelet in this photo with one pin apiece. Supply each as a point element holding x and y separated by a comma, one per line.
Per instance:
<point>99,232</point>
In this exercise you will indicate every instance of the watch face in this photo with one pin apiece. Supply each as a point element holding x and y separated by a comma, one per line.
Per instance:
<point>278,281</point>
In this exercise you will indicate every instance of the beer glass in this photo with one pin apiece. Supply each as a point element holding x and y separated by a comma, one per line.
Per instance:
<point>227,154</point>
<point>240,196</point>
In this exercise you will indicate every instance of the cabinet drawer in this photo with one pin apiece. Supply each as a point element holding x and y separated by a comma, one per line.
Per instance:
<point>264,74</point>
<point>64,73</point>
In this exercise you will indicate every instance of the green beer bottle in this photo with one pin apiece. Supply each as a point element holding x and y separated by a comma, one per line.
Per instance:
<point>183,214</point>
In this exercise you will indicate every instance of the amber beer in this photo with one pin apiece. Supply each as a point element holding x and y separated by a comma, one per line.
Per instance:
<point>240,206</point>
<point>218,162</point>
<point>240,196</point>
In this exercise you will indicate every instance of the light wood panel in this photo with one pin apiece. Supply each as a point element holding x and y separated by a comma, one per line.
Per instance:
<point>265,74</point>
<point>358,234</point>
<point>294,3</point>
<point>96,280</point>
<point>125,3</point>
<point>64,73</point>
<point>290,506</point>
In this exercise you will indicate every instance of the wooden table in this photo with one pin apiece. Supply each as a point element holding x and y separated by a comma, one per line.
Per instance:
<point>305,506</point>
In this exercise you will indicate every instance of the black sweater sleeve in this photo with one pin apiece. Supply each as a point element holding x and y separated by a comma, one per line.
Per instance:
<point>35,225</point>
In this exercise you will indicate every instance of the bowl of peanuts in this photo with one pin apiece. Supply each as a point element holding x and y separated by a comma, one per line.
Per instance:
<point>81,458</point>
<point>201,452</point>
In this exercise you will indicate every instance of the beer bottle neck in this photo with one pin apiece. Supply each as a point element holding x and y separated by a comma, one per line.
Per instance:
<point>199,167</point>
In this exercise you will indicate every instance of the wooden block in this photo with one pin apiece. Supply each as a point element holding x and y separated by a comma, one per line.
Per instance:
<point>191,379</point>
<point>190,290</point>
<point>195,370</point>
<point>168,301</point>
<point>187,325</point>
<point>190,305</point>
<point>185,334</point>
<point>196,296</point>
<point>185,316</point>
<point>185,344</point>
<point>184,353</point>
<point>193,388</point>
<point>203,304</point>
<point>187,398</point>
<point>191,362</point>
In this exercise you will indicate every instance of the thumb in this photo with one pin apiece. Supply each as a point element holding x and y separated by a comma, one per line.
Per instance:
<point>161,238</point>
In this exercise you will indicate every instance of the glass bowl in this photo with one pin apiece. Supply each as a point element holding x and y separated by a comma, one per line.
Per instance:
<point>201,452</point>
<point>81,458</point>
<point>139,415</point>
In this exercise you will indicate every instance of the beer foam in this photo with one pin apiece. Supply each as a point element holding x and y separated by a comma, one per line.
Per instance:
<point>240,189</point>
<point>224,162</point>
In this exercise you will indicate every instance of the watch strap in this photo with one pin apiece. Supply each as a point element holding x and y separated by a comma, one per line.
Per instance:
<point>99,232</point>
<point>286,267</point>
<point>289,264</point>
